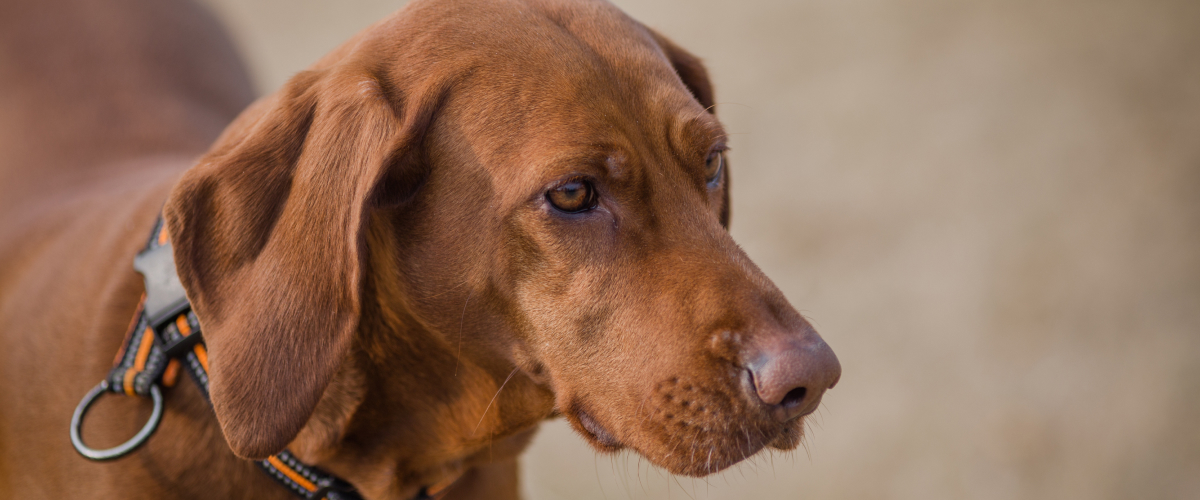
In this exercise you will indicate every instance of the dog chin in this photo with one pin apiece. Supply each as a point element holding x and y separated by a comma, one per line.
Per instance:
<point>692,430</point>
<point>700,461</point>
<point>789,436</point>
<point>698,455</point>
<point>702,455</point>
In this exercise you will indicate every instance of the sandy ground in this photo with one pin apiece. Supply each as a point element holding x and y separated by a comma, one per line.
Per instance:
<point>989,209</point>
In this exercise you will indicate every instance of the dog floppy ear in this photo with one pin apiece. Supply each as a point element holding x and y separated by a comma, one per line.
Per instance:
<point>269,237</point>
<point>690,70</point>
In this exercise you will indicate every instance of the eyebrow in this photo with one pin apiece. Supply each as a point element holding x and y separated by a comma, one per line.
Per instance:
<point>587,160</point>
<point>692,130</point>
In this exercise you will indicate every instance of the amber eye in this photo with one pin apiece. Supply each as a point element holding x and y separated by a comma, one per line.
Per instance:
<point>713,166</point>
<point>573,196</point>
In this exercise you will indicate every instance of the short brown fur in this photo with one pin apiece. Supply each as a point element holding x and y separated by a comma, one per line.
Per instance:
<point>382,286</point>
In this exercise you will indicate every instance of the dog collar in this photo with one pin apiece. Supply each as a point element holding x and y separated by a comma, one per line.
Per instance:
<point>163,337</point>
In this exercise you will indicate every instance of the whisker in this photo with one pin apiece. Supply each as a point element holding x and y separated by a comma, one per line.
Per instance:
<point>461,323</point>
<point>596,468</point>
<point>804,442</point>
<point>489,406</point>
<point>747,106</point>
<point>448,290</point>
<point>681,488</point>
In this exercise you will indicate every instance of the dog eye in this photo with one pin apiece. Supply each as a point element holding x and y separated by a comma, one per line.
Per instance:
<point>713,165</point>
<point>573,196</point>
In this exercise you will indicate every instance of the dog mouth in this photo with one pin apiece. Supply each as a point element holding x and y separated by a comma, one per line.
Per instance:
<point>693,429</point>
<point>600,436</point>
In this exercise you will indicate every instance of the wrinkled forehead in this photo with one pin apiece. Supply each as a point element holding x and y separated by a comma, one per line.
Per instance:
<point>583,86</point>
<point>564,54</point>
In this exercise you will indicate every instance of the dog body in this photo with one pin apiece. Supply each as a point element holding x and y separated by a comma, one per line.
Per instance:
<point>469,218</point>
<point>103,105</point>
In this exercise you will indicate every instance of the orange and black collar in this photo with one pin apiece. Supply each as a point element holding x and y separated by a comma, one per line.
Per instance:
<point>163,337</point>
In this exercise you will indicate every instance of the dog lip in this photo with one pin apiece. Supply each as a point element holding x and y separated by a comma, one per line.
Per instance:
<point>598,432</point>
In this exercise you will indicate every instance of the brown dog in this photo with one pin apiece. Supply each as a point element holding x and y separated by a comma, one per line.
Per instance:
<point>471,217</point>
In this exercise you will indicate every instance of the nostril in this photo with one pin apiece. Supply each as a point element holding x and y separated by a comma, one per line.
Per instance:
<point>789,373</point>
<point>794,397</point>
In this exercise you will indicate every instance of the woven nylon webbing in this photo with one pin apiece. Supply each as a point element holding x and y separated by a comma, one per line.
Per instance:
<point>143,362</point>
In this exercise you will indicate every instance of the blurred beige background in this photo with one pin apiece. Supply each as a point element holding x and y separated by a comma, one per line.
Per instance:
<point>989,209</point>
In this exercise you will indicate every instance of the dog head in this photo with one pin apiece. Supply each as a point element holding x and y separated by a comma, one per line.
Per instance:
<point>474,215</point>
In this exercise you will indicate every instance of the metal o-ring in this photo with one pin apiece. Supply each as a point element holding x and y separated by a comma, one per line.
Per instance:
<point>122,449</point>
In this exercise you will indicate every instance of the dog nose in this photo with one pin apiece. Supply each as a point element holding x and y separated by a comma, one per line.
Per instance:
<point>790,374</point>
